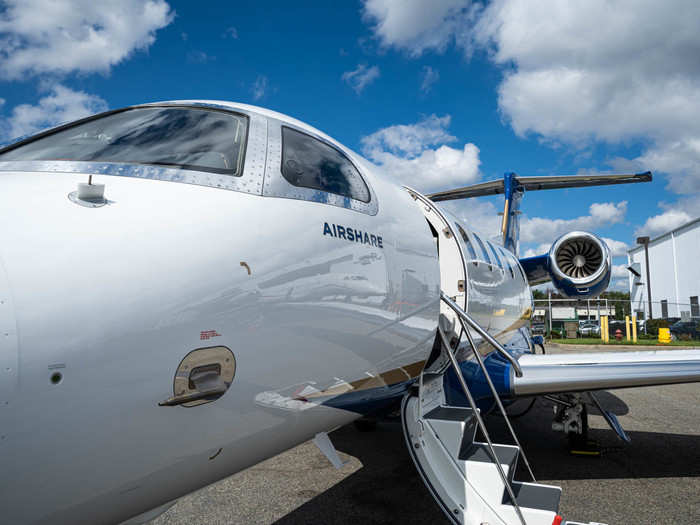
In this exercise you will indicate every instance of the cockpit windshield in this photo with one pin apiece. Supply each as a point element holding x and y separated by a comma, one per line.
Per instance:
<point>179,137</point>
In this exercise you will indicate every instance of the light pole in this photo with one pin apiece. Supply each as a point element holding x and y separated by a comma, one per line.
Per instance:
<point>645,241</point>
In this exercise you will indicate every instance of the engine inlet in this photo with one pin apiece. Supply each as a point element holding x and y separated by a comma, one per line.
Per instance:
<point>579,257</point>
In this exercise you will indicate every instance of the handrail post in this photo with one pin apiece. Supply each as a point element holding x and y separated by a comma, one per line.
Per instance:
<point>480,422</point>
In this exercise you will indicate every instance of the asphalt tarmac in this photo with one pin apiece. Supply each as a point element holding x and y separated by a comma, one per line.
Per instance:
<point>655,479</point>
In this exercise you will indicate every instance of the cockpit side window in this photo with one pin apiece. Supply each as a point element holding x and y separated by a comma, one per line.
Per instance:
<point>310,163</point>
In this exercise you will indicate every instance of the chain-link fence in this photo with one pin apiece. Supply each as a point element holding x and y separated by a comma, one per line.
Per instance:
<point>555,317</point>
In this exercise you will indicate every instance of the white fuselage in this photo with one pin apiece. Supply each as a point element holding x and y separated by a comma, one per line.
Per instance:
<point>98,307</point>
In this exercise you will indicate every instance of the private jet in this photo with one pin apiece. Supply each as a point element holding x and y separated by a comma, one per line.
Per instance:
<point>188,288</point>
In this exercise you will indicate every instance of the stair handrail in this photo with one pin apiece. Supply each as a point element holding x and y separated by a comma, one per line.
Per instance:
<point>482,425</point>
<point>465,317</point>
<point>461,313</point>
<point>497,398</point>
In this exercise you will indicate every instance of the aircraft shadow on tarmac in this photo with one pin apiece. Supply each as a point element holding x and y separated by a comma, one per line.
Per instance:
<point>387,489</point>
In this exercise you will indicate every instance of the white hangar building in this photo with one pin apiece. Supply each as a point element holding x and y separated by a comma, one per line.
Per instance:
<point>674,268</point>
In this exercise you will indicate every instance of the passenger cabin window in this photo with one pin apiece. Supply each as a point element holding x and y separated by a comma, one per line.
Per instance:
<point>507,259</point>
<point>495,254</point>
<point>483,248</point>
<point>309,163</point>
<point>522,273</point>
<point>178,137</point>
<point>515,263</point>
<point>468,244</point>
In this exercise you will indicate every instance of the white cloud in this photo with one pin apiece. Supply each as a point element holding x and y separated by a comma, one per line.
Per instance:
<point>60,36</point>
<point>541,249</point>
<point>411,139</point>
<point>638,78</point>
<point>60,105</point>
<point>619,284</point>
<point>577,73</point>
<point>362,76</point>
<point>405,152</point>
<point>617,248</point>
<point>430,77</point>
<point>540,229</point>
<point>680,156</point>
<point>259,87</point>
<point>664,222</point>
<point>231,32</point>
<point>477,214</point>
<point>441,168</point>
<point>619,271</point>
<point>415,25</point>
<point>199,57</point>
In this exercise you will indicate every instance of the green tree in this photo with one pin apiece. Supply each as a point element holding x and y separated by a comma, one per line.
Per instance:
<point>621,301</point>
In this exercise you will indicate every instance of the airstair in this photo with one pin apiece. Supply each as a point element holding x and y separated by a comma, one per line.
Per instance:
<point>472,481</point>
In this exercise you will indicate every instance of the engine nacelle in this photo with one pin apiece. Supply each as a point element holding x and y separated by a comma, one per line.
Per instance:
<point>580,265</point>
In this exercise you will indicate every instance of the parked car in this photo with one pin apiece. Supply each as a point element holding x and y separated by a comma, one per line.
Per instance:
<point>685,330</point>
<point>589,329</point>
<point>537,329</point>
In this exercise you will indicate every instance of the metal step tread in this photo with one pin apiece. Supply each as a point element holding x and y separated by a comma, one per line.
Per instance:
<point>448,413</point>
<point>534,496</point>
<point>506,454</point>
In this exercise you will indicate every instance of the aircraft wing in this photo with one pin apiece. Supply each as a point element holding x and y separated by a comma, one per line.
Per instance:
<point>558,373</point>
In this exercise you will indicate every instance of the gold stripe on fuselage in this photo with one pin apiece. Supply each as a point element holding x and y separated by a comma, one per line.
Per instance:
<point>388,378</point>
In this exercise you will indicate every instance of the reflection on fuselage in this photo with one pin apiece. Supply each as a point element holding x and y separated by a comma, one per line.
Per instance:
<point>498,296</point>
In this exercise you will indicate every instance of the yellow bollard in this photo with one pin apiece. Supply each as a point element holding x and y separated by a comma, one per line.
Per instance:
<point>627,327</point>
<point>604,328</point>
<point>634,328</point>
<point>600,324</point>
<point>664,335</point>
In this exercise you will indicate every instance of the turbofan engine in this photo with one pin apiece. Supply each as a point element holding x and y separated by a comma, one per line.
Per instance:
<point>580,264</point>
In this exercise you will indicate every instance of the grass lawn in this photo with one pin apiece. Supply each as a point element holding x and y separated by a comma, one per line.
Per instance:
<point>613,342</point>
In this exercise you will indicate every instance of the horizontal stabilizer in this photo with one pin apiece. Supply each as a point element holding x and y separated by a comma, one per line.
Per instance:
<point>496,187</point>
<point>558,373</point>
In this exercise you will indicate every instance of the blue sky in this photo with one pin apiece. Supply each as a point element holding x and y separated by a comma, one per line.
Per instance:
<point>442,93</point>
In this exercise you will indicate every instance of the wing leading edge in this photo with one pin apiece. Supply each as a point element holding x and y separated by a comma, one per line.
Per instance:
<point>559,373</point>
